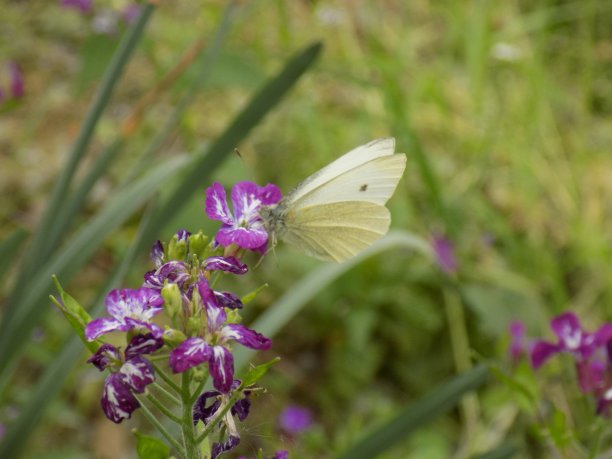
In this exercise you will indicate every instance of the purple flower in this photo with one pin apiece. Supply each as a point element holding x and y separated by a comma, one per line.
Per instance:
<point>84,6</point>
<point>222,447</point>
<point>205,411</point>
<point>295,419</point>
<point>16,79</point>
<point>244,227</point>
<point>445,254</point>
<point>195,351</point>
<point>227,264</point>
<point>131,12</point>
<point>132,375</point>
<point>175,272</point>
<point>128,309</point>
<point>570,338</point>
<point>519,345</point>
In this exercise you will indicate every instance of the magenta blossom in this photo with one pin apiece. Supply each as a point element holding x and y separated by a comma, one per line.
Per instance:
<point>570,338</point>
<point>295,419</point>
<point>445,254</point>
<point>128,309</point>
<point>244,227</point>
<point>128,375</point>
<point>213,347</point>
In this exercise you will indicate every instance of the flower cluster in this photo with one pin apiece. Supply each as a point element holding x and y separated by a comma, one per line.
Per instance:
<point>179,315</point>
<point>592,354</point>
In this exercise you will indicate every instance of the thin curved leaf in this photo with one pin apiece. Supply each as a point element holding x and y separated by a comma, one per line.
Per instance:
<point>415,416</point>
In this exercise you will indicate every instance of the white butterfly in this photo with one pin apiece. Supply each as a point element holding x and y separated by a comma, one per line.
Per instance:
<point>340,210</point>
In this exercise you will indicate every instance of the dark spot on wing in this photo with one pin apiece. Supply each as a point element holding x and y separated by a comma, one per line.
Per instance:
<point>363,187</point>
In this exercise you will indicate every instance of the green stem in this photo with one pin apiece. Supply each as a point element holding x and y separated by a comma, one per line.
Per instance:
<point>166,394</point>
<point>189,440</point>
<point>167,379</point>
<point>160,428</point>
<point>161,407</point>
<point>198,390</point>
<point>213,423</point>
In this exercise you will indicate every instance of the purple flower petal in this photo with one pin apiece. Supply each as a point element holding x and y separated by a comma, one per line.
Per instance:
<point>174,272</point>
<point>295,419</point>
<point>16,79</point>
<point>246,337</point>
<point>227,264</point>
<point>246,201</point>
<point>202,411</point>
<point>270,194</point>
<point>105,356</point>
<point>143,344</point>
<point>84,6</point>
<point>221,367</point>
<point>188,354</point>
<point>445,254</point>
<point>183,235</point>
<point>220,448</point>
<point>157,254</point>
<point>603,335</point>
<point>281,455</point>
<point>590,375</point>
<point>138,373</point>
<point>131,12</point>
<point>541,352</point>
<point>242,407</point>
<point>137,304</point>
<point>216,204</point>
<point>103,325</point>
<point>228,300</point>
<point>142,325</point>
<point>216,315</point>
<point>572,337</point>
<point>117,401</point>
<point>250,238</point>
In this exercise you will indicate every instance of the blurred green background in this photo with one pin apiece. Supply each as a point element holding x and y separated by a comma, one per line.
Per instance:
<point>503,109</point>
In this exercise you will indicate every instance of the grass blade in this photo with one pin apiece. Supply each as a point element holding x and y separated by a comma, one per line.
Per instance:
<point>503,452</point>
<point>13,333</point>
<point>431,406</point>
<point>40,245</point>
<point>278,315</point>
<point>9,248</point>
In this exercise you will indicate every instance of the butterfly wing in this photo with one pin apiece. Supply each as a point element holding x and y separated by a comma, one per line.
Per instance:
<point>335,231</point>
<point>353,164</point>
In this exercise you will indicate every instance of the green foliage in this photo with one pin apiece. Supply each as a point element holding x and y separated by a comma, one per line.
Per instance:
<point>149,447</point>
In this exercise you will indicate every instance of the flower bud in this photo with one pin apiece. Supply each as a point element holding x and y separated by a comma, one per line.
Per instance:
<point>173,301</point>
<point>173,337</point>
<point>198,245</point>
<point>179,245</point>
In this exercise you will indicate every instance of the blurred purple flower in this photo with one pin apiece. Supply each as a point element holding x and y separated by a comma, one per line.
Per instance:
<point>295,419</point>
<point>570,338</point>
<point>84,6</point>
<point>445,254</point>
<point>16,78</point>
<point>519,345</point>
<point>131,12</point>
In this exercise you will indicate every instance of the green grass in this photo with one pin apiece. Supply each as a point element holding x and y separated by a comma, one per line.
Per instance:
<point>504,110</point>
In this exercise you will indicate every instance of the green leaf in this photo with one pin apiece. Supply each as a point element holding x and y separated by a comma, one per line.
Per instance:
<point>255,373</point>
<point>246,299</point>
<point>149,447</point>
<point>75,314</point>
<point>558,429</point>
<point>415,416</point>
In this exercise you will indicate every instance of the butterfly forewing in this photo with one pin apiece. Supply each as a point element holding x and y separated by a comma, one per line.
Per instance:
<point>347,162</point>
